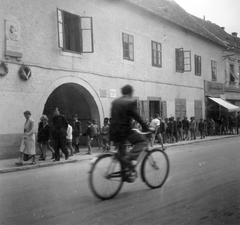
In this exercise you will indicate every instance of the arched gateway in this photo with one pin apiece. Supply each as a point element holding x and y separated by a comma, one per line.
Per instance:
<point>73,96</point>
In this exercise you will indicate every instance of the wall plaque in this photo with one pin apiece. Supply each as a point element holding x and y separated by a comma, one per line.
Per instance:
<point>12,31</point>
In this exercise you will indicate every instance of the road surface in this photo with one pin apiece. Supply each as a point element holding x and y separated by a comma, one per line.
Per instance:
<point>203,188</point>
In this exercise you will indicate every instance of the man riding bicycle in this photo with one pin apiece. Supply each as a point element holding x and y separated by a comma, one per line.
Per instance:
<point>124,110</point>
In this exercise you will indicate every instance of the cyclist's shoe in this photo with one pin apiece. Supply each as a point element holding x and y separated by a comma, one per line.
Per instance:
<point>130,176</point>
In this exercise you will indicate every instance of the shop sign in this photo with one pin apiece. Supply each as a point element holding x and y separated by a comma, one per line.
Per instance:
<point>213,88</point>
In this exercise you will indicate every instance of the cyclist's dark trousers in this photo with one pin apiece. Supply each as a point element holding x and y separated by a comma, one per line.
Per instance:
<point>139,143</point>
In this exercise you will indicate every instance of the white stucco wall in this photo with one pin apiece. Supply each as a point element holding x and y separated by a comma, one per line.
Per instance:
<point>104,69</point>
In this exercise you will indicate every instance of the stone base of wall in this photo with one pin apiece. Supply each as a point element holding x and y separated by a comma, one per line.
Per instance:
<point>9,146</point>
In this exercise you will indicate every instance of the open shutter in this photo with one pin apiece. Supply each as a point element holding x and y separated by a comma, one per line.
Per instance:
<point>60,19</point>
<point>164,109</point>
<point>87,34</point>
<point>179,60</point>
<point>187,61</point>
<point>144,110</point>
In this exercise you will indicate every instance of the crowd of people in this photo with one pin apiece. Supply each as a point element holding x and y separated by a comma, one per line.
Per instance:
<point>60,137</point>
<point>170,130</point>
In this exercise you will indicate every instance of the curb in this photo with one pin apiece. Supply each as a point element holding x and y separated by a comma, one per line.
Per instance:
<point>200,140</point>
<point>29,167</point>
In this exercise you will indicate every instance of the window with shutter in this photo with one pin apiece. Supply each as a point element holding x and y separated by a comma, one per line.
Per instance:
<point>128,46</point>
<point>214,70</point>
<point>183,60</point>
<point>198,65</point>
<point>75,33</point>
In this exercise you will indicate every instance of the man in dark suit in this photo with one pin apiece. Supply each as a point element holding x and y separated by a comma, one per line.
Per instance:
<point>124,110</point>
<point>77,132</point>
<point>59,132</point>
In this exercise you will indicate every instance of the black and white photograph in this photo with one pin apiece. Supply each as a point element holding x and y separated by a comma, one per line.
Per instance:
<point>119,112</point>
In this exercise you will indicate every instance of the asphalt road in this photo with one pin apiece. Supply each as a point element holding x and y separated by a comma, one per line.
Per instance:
<point>203,188</point>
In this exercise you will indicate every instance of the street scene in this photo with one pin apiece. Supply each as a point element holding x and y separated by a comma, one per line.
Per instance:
<point>119,112</point>
<point>202,188</point>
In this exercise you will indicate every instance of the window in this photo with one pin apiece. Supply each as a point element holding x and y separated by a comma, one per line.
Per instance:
<point>75,33</point>
<point>232,74</point>
<point>156,54</point>
<point>180,108</point>
<point>128,47</point>
<point>214,70</point>
<point>183,60</point>
<point>198,65</point>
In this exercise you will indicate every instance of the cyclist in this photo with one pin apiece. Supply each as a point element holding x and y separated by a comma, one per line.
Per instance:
<point>123,111</point>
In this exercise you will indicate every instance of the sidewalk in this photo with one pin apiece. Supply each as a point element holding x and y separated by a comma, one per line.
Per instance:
<point>8,165</point>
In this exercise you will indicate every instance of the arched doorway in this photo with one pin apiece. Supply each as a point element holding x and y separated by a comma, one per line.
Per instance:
<point>72,98</point>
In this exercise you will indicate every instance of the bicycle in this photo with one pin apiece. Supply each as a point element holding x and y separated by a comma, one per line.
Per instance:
<point>108,173</point>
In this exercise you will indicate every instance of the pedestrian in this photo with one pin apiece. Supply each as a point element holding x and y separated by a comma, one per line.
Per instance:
<point>96,133</point>
<point>179,129</point>
<point>69,140</point>
<point>192,128</point>
<point>88,133</point>
<point>170,130</point>
<point>39,137</point>
<point>238,122</point>
<point>45,138</point>
<point>77,132</point>
<point>105,136</point>
<point>201,128</point>
<point>60,126</point>
<point>155,123</point>
<point>185,124</point>
<point>175,133</point>
<point>27,146</point>
<point>205,128</point>
<point>160,132</point>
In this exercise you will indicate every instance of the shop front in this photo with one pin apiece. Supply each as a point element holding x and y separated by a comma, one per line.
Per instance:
<point>216,105</point>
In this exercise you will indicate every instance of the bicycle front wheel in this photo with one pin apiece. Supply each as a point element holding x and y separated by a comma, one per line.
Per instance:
<point>106,177</point>
<point>155,168</point>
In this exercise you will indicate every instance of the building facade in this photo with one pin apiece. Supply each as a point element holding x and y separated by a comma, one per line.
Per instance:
<point>77,54</point>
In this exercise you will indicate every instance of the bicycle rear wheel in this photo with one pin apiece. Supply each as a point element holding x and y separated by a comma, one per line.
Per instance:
<point>155,168</point>
<point>106,178</point>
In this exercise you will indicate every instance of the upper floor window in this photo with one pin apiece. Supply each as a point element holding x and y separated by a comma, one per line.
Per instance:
<point>232,73</point>
<point>75,33</point>
<point>156,54</point>
<point>128,47</point>
<point>183,60</point>
<point>214,70</point>
<point>198,65</point>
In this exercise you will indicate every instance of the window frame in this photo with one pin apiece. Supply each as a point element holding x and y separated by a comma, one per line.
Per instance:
<point>83,30</point>
<point>198,65</point>
<point>214,70</point>
<point>128,44</point>
<point>183,60</point>
<point>231,66</point>
<point>158,54</point>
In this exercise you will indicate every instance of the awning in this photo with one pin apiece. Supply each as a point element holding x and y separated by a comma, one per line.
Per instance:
<point>230,107</point>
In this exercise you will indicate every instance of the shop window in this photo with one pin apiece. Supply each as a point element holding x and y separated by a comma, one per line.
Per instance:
<point>198,65</point>
<point>156,54</point>
<point>183,60</point>
<point>128,47</point>
<point>214,70</point>
<point>75,33</point>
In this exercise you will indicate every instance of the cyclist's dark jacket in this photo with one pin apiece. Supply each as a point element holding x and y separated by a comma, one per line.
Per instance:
<point>123,110</point>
